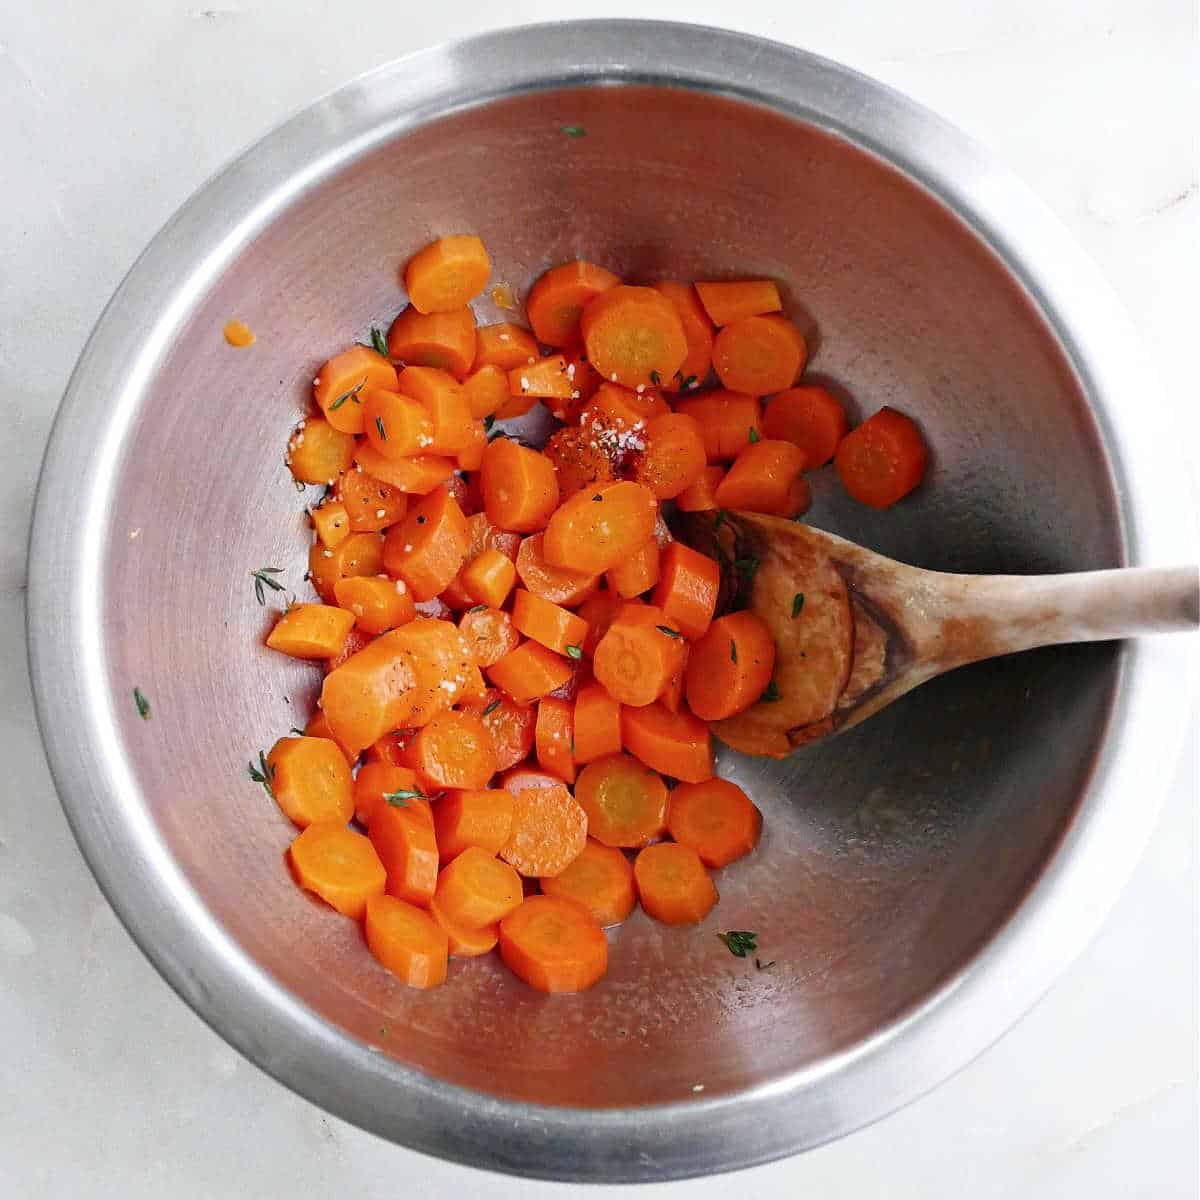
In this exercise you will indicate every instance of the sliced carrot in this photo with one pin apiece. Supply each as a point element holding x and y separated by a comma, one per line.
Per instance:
<point>372,505</point>
<point>404,838</point>
<point>581,676</point>
<point>488,578</point>
<point>545,379</point>
<point>317,452</point>
<point>580,460</point>
<point>510,724</point>
<point>453,750</point>
<point>582,374</point>
<point>554,945</point>
<point>376,781</point>
<point>311,631</point>
<point>809,417</point>
<point>593,531</point>
<point>673,885</point>
<point>444,672</point>
<point>443,399</point>
<point>514,406</point>
<point>731,301</point>
<point>761,478</point>
<point>620,409</point>
<point>728,421</point>
<point>549,830</point>
<point>504,346</point>
<point>597,724</point>
<point>519,488</point>
<point>698,330</point>
<point>490,634</point>
<point>332,523</point>
<point>672,457</point>
<point>419,475</point>
<point>447,274</point>
<point>759,355</point>
<point>731,666</point>
<point>716,819</point>
<point>638,655</point>
<point>396,426</point>
<point>672,695</point>
<point>633,336</point>
<point>599,610</point>
<point>470,457</point>
<point>687,589</point>
<point>339,385</point>
<point>554,737</point>
<point>407,941</point>
<point>389,750</point>
<point>428,548</point>
<point>339,865</point>
<point>359,554</point>
<point>310,780</point>
<point>529,672</point>
<point>797,500</point>
<point>626,803</point>
<point>355,641</point>
<point>477,889</point>
<point>638,573</point>
<point>442,340</point>
<point>883,459</point>
<point>556,584</point>
<point>318,727</point>
<point>464,941</point>
<point>376,605</point>
<point>674,744</point>
<point>486,390</point>
<point>601,879</point>
<point>520,778</point>
<point>486,536</point>
<point>548,623</point>
<point>558,298</point>
<point>475,817</point>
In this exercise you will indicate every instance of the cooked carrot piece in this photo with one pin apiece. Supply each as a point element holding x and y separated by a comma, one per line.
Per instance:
<point>311,631</point>
<point>618,414</point>
<point>504,346</point>
<point>389,749</point>
<point>359,554</point>
<point>475,817</point>
<point>443,399</point>
<point>761,478</point>
<point>444,672</point>
<point>317,452</point>
<point>490,634</point>
<point>403,837</point>
<point>376,781</point>
<point>442,340</point>
<point>728,422</point>
<point>672,457</point>
<point>625,802</point>
<point>599,610</point>
<point>579,460</point>
<point>486,391</point>
<point>396,426</point>
<point>597,724</point>
<point>447,274</point>
<point>488,578</point>
<point>883,459</point>
<point>556,584</point>
<point>545,379</point>
<point>687,589</point>
<point>407,941</point>
<point>470,457</point>
<point>730,667</point>
<point>698,330</point>
<point>636,574</point>
<point>810,418</point>
<point>372,505</point>
<point>633,336</point>
<point>486,536</point>
<point>582,374</point>
<point>510,724</point>
<point>355,641</point>
<point>674,744</point>
<point>428,548</point>
<point>759,355</point>
<point>529,672</point>
<point>638,655</point>
<point>729,302</point>
<point>310,780</point>
<point>339,386</point>
<point>554,945</point>
<point>558,298</point>
<point>519,488</point>
<point>418,475</point>
<point>376,605</point>
<point>515,406</point>
<point>581,675</point>
<point>548,831</point>
<point>716,819</point>
<point>332,523</point>
<point>520,778</point>
<point>318,727</point>
<point>339,865</point>
<point>554,736</point>
<point>477,889</point>
<point>590,534</point>
<point>601,879</point>
<point>549,624</point>
<point>672,695</point>
<point>454,750</point>
<point>463,940</point>
<point>797,499</point>
<point>673,885</point>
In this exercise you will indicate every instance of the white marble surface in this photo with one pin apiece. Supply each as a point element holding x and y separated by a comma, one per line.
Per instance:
<point>111,112</point>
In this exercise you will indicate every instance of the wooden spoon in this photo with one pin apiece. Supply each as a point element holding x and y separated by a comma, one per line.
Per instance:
<point>855,631</point>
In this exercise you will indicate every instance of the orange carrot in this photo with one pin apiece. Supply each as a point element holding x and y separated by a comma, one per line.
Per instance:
<point>511,725</point>
<point>372,505</point>
<point>428,548</point>
<point>454,750</point>
<point>397,426</point>
<point>504,346</point>
<point>519,488</point>
<point>418,475</point>
<point>355,641</point>
<point>671,697</point>
<point>376,605</point>
<point>521,778</point>
<point>599,610</point>
<point>529,672</point>
<point>591,535</point>
<point>638,573</point>
<point>554,734</point>
<point>332,523</point>
<point>317,452</point>
<point>545,622</point>
<point>716,819</point>
<point>477,889</point>
<point>674,744</point>
<point>359,554</point>
<point>600,879</point>
<point>625,802</point>
<point>488,578</point>
<point>444,673</point>
<point>810,418</point>
<point>339,865</point>
<point>687,589</point>
<point>673,885</point>
<point>729,302</point>
<point>556,584</point>
<point>388,750</point>
<point>638,655</point>
<point>698,330</point>
<point>447,274</point>
<point>442,340</point>
<point>728,422</point>
<point>883,459</point>
<point>759,355</point>
<point>310,780</point>
<point>544,379</point>
<point>443,399</point>
<point>580,460</point>
<point>376,781</point>
<point>490,634</point>
<point>407,941</point>
<point>673,456</point>
<point>311,631</point>
<point>730,667</point>
<point>340,383</point>
<point>548,831</point>
<point>486,536</point>
<point>585,378</point>
<point>761,478</point>
<point>403,836</point>
<point>617,410</point>
<point>558,298</point>
<point>318,727</point>
<point>464,941</point>
<point>554,945</point>
<point>470,457</point>
<point>486,390</point>
<point>472,818</point>
<point>633,336</point>
<point>597,724</point>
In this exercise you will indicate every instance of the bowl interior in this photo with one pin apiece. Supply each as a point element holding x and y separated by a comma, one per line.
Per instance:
<point>891,854</point>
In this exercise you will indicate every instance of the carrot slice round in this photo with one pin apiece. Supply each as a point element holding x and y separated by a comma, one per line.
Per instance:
<point>810,418</point>
<point>519,488</point>
<point>510,724</point>
<point>340,383</point>
<point>428,548</point>
<point>529,672</point>
<point>477,889</point>
<point>548,831</point>
<point>376,605</point>
<point>504,346</point>
<point>454,750</point>
<point>558,298</point>
<point>672,457</point>
<point>883,459</point>
<point>580,460</point>
<point>730,667</point>
<point>310,780</point>
<point>376,781</point>
<point>554,945</point>
<point>443,340</point>
<point>447,274</point>
<point>698,330</point>
<point>317,452</point>
<point>674,744</point>
<point>490,634</point>
<point>308,631</point>
<point>559,585</point>
<point>601,879</point>
<point>370,503</point>
<point>762,479</point>
<point>759,355</point>
<point>464,941</point>
<point>673,885</point>
<point>727,302</point>
<point>476,817</point>
<point>728,421</point>
<point>404,839</point>
<point>407,941</point>
<point>625,802</point>
<point>638,655</point>
<point>360,554</point>
<point>593,531</point>
<point>554,735</point>
<point>716,819</point>
<point>634,336</point>
<point>687,589</point>
<point>339,865</point>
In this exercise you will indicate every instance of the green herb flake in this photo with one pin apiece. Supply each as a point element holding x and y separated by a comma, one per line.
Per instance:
<point>754,438</point>
<point>143,705</point>
<point>261,577</point>
<point>491,708</point>
<point>797,604</point>
<point>671,633</point>
<point>401,798</point>
<point>382,431</point>
<point>719,519</point>
<point>264,773</point>
<point>771,694</point>
<point>352,394</point>
<point>739,942</point>
<point>574,131</point>
<point>732,651</point>
<point>759,965</point>
<point>656,379</point>
<point>477,608</point>
<point>574,652</point>
<point>379,342</point>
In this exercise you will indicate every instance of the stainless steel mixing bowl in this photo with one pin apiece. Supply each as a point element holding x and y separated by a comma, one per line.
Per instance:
<point>920,880</point>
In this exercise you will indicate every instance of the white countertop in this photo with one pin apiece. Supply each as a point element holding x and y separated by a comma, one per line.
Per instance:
<point>113,112</point>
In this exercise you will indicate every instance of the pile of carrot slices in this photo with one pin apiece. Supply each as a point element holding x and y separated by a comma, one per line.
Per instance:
<point>512,744</point>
